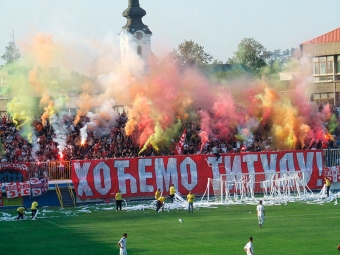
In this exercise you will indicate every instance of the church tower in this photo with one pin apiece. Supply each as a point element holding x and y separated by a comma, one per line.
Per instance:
<point>135,37</point>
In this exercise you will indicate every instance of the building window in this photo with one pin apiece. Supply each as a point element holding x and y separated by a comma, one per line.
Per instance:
<point>139,51</point>
<point>323,65</point>
<point>338,64</point>
<point>323,98</point>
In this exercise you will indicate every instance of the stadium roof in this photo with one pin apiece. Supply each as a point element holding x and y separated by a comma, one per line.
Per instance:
<point>332,36</point>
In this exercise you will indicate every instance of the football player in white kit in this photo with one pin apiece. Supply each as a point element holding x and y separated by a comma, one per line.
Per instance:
<point>122,245</point>
<point>260,213</point>
<point>249,247</point>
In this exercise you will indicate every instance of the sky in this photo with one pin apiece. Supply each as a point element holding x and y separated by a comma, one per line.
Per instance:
<point>217,25</point>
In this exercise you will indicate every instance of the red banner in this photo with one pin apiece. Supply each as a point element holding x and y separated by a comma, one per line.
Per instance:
<point>332,173</point>
<point>136,177</point>
<point>17,189</point>
<point>39,186</point>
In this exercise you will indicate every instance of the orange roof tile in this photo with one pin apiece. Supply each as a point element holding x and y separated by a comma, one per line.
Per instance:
<point>332,36</point>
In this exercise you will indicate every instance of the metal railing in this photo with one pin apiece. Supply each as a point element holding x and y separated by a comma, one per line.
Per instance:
<point>331,157</point>
<point>56,170</point>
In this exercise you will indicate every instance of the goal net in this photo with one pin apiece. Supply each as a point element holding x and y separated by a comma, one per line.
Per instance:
<point>251,187</point>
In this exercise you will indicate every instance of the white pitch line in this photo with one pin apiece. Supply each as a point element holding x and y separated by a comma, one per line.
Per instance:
<point>55,224</point>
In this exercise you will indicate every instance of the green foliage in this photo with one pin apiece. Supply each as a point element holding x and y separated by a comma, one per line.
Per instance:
<point>216,61</point>
<point>232,74</point>
<point>295,228</point>
<point>250,54</point>
<point>11,54</point>
<point>280,58</point>
<point>254,56</point>
<point>190,53</point>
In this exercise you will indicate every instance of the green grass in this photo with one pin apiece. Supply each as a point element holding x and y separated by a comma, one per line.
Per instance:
<point>295,228</point>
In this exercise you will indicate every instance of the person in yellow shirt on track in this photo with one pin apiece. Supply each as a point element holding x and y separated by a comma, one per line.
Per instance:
<point>20,211</point>
<point>118,198</point>
<point>34,208</point>
<point>158,194</point>
<point>172,193</point>
<point>190,199</point>
<point>328,185</point>
<point>160,203</point>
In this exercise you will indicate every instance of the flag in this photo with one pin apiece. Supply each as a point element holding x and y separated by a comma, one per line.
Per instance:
<point>180,144</point>
<point>39,186</point>
<point>17,189</point>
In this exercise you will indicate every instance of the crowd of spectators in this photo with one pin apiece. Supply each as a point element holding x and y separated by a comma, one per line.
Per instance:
<point>114,144</point>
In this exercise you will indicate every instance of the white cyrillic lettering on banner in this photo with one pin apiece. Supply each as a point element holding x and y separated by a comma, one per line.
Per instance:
<point>123,177</point>
<point>143,175</point>
<point>167,175</point>
<point>249,159</point>
<point>319,162</point>
<point>215,172</point>
<point>184,173</point>
<point>269,168</point>
<point>98,181</point>
<point>287,160</point>
<point>232,168</point>
<point>81,172</point>
<point>306,167</point>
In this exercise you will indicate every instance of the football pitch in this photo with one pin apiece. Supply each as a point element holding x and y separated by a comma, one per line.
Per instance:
<point>295,228</point>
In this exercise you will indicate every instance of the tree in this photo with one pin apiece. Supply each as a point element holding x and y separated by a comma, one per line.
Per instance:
<point>232,74</point>
<point>282,58</point>
<point>12,53</point>
<point>251,54</point>
<point>190,53</point>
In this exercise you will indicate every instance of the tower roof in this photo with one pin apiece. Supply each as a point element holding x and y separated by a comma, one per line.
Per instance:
<point>134,14</point>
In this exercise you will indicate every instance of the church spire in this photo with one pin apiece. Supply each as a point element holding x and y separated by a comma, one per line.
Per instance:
<point>134,14</point>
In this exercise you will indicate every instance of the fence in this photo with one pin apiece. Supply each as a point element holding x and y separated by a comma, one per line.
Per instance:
<point>56,170</point>
<point>331,157</point>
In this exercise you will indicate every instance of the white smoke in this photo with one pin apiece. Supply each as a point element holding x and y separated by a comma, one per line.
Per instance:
<point>35,146</point>
<point>106,118</point>
<point>60,130</point>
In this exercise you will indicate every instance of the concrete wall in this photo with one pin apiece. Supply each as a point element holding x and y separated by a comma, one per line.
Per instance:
<point>321,49</point>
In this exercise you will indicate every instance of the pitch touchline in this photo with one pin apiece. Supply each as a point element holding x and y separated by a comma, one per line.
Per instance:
<point>55,224</point>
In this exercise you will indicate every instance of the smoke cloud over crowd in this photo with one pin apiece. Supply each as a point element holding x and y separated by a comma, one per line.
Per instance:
<point>54,77</point>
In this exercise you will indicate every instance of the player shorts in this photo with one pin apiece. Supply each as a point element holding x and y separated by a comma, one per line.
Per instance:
<point>123,252</point>
<point>260,217</point>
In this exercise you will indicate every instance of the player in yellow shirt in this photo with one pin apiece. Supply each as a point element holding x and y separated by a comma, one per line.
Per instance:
<point>160,203</point>
<point>172,193</point>
<point>20,211</point>
<point>34,208</point>
<point>118,198</point>
<point>190,199</point>
<point>158,194</point>
<point>328,185</point>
